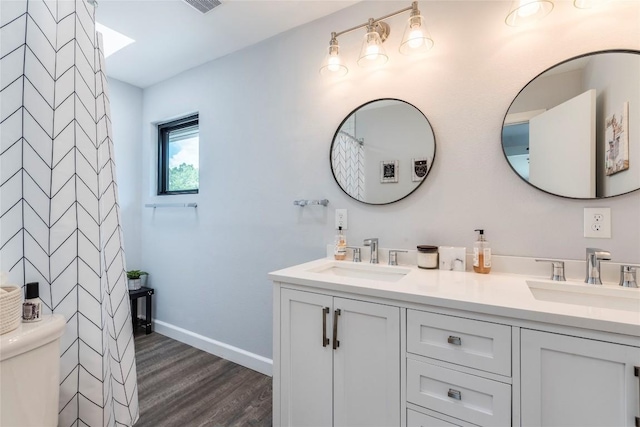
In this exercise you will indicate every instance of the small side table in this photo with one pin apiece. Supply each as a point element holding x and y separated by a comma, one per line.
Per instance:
<point>133,296</point>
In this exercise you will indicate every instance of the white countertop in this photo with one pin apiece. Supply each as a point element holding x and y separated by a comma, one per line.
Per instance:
<point>497,294</point>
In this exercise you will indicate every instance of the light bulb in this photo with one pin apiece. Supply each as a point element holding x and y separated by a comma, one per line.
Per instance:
<point>528,7</point>
<point>416,38</point>
<point>372,51</point>
<point>334,63</point>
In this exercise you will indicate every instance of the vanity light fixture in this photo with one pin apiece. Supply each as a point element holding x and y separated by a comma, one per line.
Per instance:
<point>373,52</point>
<point>416,40</point>
<point>526,11</point>
<point>332,64</point>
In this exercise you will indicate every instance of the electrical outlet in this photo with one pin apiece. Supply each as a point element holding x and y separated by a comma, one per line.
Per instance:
<point>597,223</point>
<point>341,218</point>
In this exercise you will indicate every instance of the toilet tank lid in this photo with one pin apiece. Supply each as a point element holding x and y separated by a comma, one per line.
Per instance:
<point>29,336</point>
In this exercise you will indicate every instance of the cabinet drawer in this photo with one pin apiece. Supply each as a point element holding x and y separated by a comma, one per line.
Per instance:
<point>480,345</point>
<point>416,419</point>
<point>467,397</point>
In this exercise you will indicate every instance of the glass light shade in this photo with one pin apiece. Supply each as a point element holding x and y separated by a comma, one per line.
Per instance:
<point>526,11</point>
<point>588,4</point>
<point>372,52</point>
<point>416,38</point>
<point>332,64</point>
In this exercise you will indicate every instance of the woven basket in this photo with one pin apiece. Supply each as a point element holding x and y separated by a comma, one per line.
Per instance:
<point>10,309</point>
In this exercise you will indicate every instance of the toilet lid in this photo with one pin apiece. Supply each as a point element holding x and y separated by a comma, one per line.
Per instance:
<point>29,336</point>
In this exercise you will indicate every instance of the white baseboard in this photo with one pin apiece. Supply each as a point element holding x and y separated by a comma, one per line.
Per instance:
<point>234,354</point>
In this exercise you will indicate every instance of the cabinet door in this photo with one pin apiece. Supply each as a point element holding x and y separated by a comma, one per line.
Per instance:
<point>367,364</point>
<point>306,361</point>
<point>568,381</point>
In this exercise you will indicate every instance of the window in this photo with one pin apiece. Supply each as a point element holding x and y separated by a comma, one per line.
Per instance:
<point>178,156</point>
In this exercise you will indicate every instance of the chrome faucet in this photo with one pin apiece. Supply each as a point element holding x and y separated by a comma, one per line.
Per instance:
<point>373,242</point>
<point>594,256</point>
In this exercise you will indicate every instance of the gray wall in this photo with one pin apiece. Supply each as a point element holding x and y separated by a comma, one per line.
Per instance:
<point>267,120</point>
<point>126,107</point>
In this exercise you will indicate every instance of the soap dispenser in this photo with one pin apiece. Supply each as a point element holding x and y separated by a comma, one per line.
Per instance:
<point>32,306</point>
<point>481,254</point>
<point>340,248</point>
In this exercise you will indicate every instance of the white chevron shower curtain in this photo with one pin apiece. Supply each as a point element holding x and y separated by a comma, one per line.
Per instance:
<point>347,160</point>
<point>59,214</point>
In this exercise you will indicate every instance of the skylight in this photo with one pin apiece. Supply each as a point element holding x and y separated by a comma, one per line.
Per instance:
<point>113,41</point>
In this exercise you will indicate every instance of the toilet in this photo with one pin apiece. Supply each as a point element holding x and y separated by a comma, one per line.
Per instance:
<point>30,373</point>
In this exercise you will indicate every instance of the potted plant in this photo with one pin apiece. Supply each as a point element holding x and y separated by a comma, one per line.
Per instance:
<point>136,279</point>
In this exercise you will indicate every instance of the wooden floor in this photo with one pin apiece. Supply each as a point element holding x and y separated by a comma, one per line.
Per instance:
<point>179,385</point>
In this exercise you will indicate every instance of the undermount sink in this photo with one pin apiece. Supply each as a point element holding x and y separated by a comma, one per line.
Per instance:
<point>362,271</point>
<point>602,296</point>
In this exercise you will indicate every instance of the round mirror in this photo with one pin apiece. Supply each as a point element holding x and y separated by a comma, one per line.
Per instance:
<point>382,151</point>
<point>574,130</point>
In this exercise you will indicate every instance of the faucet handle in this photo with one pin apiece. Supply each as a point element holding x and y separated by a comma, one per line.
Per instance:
<point>599,254</point>
<point>628,276</point>
<point>393,256</point>
<point>356,253</point>
<point>557,269</point>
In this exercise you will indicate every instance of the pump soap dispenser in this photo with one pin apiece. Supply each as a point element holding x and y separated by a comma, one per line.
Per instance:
<point>481,254</point>
<point>340,249</point>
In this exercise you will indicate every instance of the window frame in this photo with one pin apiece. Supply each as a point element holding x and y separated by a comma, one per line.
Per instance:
<point>163,152</point>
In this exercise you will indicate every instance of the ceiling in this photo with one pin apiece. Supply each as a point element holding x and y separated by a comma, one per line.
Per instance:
<point>171,36</point>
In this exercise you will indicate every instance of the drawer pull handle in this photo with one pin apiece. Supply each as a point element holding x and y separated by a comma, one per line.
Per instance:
<point>454,340</point>
<point>454,394</point>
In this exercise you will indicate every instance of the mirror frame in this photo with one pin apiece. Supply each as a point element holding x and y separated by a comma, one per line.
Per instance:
<point>435,145</point>
<point>632,51</point>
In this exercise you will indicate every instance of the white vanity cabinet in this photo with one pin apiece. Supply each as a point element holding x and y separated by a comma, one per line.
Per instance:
<point>570,381</point>
<point>339,361</point>
<point>441,349</point>
<point>452,364</point>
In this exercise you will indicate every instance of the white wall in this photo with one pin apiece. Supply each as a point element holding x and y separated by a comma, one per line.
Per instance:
<point>267,120</point>
<point>617,79</point>
<point>546,92</point>
<point>126,114</point>
<point>393,132</point>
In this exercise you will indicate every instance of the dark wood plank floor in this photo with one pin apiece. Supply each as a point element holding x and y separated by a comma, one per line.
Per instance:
<point>179,385</point>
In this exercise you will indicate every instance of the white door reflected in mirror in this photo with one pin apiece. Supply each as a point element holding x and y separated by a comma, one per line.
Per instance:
<point>563,129</point>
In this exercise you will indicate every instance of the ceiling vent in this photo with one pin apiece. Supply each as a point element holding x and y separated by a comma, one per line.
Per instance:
<point>203,6</point>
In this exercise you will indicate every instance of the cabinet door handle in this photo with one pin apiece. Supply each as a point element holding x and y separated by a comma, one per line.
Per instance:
<point>454,340</point>
<point>325,340</point>
<point>454,394</point>
<point>636,372</point>
<point>336,343</point>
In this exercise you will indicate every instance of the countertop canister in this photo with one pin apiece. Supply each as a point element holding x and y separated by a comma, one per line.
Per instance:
<point>427,256</point>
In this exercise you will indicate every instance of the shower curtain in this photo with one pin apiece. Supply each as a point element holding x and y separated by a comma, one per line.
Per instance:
<point>347,160</point>
<point>59,214</point>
